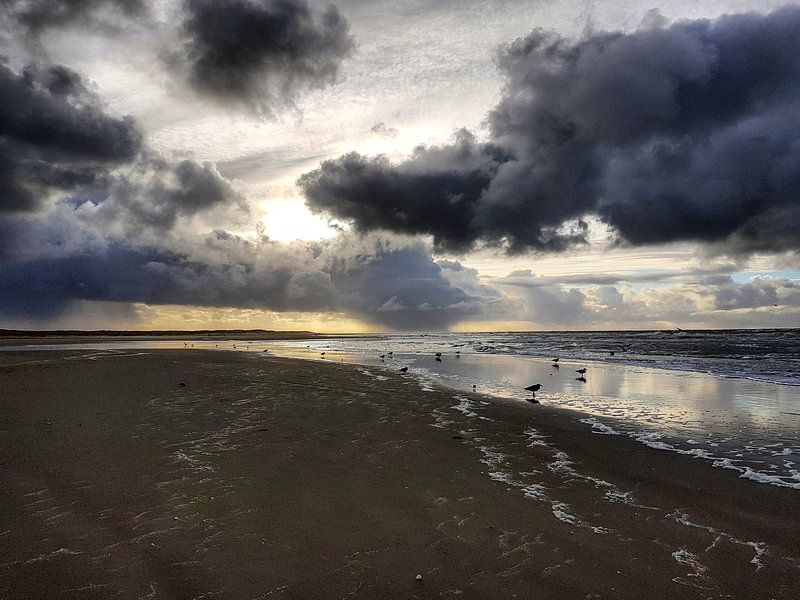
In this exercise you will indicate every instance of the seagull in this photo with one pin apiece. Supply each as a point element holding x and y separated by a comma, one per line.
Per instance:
<point>474,387</point>
<point>390,353</point>
<point>382,356</point>
<point>555,360</point>
<point>581,371</point>
<point>438,354</point>
<point>533,389</point>
<point>322,354</point>
<point>404,370</point>
<point>458,353</point>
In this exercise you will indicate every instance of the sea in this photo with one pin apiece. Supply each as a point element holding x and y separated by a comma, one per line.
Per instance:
<point>727,397</point>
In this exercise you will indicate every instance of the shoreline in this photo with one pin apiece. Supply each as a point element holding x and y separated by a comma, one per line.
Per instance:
<point>21,338</point>
<point>264,475</point>
<point>647,432</point>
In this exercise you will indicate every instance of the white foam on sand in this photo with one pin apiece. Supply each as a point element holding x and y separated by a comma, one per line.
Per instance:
<point>654,440</point>
<point>684,557</point>
<point>600,428</point>
<point>535,438</point>
<point>465,406</point>
<point>535,491</point>
<point>375,376</point>
<point>759,548</point>
<point>492,458</point>
<point>748,473</point>
<point>561,511</point>
<point>563,466</point>
<point>441,420</point>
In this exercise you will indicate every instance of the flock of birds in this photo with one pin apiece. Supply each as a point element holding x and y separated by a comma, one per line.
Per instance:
<point>438,358</point>
<point>537,386</point>
<point>531,388</point>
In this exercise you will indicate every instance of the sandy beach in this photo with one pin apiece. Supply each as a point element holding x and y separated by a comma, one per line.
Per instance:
<point>267,477</point>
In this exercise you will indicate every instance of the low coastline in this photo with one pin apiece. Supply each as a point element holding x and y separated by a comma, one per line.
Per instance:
<point>13,337</point>
<point>273,477</point>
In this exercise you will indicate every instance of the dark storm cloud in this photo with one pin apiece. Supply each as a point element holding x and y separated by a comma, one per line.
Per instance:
<point>405,289</point>
<point>435,192</point>
<point>58,144</point>
<point>55,136</point>
<point>155,192</point>
<point>38,15</point>
<point>262,53</point>
<point>684,132</point>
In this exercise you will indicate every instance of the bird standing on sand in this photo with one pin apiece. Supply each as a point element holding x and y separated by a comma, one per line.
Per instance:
<point>404,370</point>
<point>581,371</point>
<point>533,389</point>
<point>555,360</point>
<point>439,354</point>
<point>322,354</point>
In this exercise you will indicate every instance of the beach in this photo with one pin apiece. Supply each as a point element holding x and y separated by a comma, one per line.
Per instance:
<point>271,477</point>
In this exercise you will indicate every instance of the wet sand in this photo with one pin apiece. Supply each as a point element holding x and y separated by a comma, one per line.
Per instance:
<point>274,478</point>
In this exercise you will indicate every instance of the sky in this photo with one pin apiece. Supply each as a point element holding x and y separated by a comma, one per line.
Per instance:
<point>399,165</point>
